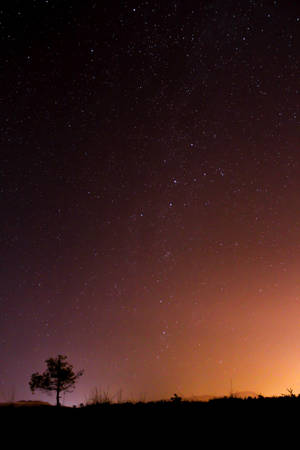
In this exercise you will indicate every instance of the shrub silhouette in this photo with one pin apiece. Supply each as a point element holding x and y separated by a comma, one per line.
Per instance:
<point>176,398</point>
<point>58,377</point>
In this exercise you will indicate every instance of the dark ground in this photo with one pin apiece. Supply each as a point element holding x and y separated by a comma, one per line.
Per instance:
<point>237,422</point>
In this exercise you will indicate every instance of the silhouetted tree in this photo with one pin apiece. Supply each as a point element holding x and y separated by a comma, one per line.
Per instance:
<point>58,377</point>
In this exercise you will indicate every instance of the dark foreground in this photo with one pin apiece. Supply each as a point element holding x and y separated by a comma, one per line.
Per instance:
<point>159,424</point>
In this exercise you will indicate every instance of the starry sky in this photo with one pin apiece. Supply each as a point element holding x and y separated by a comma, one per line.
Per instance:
<point>150,195</point>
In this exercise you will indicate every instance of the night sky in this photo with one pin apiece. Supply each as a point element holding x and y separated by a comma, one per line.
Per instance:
<point>150,195</point>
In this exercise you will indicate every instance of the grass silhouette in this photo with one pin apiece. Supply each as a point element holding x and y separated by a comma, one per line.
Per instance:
<point>162,423</point>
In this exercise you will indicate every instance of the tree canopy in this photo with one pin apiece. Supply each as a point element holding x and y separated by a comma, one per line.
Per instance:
<point>59,377</point>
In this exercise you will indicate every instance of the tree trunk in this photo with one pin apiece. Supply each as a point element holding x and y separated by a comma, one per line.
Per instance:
<point>58,380</point>
<point>57,397</point>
